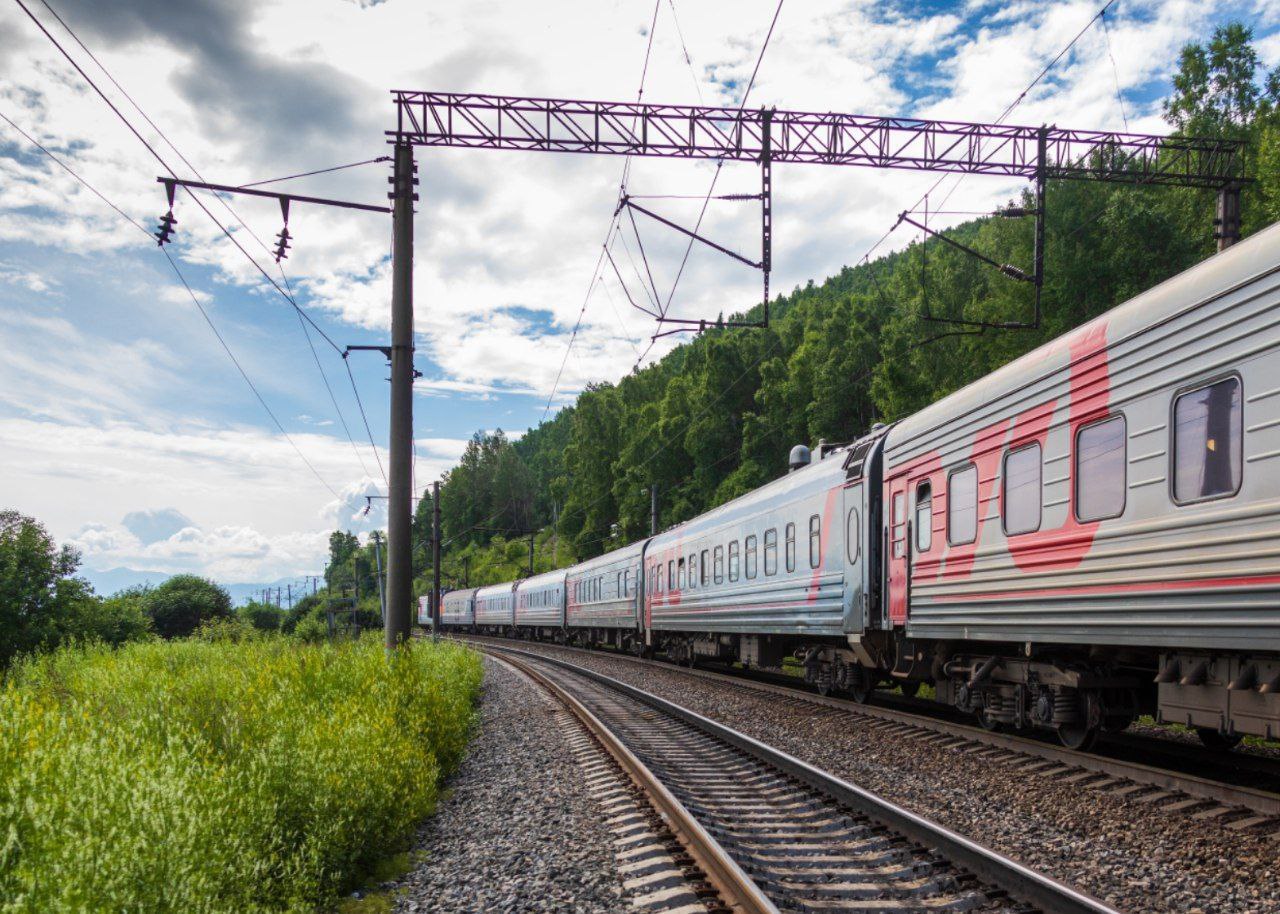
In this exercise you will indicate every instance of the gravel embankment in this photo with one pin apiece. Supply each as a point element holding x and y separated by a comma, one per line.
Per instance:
<point>516,834</point>
<point>1121,851</point>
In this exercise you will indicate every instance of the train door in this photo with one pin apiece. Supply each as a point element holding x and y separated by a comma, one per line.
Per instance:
<point>857,603</point>
<point>899,553</point>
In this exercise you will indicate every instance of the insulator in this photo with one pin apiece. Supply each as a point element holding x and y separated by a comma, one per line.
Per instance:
<point>164,232</point>
<point>1010,270</point>
<point>282,244</point>
<point>1014,212</point>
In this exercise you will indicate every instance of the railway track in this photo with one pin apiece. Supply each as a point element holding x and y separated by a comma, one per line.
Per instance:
<point>774,834</point>
<point>1232,802</point>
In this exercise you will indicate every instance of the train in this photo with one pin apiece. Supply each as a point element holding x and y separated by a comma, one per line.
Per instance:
<point>1088,534</point>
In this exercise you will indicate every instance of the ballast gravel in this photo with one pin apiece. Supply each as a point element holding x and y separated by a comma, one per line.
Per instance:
<point>1124,852</point>
<point>518,832</point>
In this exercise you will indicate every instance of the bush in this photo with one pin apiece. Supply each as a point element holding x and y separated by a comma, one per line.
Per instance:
<point>181,604</point>
<point>262,616</point>
<point>256,776</point>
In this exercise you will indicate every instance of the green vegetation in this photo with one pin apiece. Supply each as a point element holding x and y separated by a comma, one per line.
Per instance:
<point>220,774</point>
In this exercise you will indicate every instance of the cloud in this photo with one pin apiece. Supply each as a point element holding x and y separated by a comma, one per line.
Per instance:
<point>26,279</point>
<point>155,524</point>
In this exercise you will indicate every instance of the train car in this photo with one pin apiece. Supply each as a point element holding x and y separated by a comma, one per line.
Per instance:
<point>781,570</point>
<point>458,609</point>
<point>495,609</point>
<point>1101,514</point>
<point>540,606</point>
<point>603,604</point>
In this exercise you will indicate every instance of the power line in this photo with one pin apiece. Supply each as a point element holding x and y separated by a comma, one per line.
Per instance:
<point>720,162</point>
<point>194,299</point>
<point>159,158</point>
<point>595,272</point>
<point>227,205</point>
<point>320,171</point>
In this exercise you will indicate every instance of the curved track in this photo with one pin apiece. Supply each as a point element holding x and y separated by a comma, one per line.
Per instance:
<point>804,841</point>
<point>1182,780</point>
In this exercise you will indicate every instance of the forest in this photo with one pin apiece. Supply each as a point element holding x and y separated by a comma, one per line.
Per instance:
<point>717,416</point>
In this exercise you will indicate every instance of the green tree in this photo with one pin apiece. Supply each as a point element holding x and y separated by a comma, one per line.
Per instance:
<point>40,597</point>
<point>183,603</point>
<point>262,616</point>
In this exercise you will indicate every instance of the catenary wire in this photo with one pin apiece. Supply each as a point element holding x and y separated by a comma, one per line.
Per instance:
<point>190,292</point>
<point>319,171</point>
<point>235,215</point>
<point>595,272</point>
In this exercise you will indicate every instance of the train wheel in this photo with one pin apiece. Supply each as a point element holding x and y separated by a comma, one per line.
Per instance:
<point>986,721</point>
<point>861,685</point>
<point>1221,742</point>
<point>1078,736</point>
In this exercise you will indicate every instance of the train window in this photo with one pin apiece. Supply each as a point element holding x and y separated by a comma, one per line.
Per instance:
<point>815,541</point>
<point>924,516</point>
<point>719,564</point>
<point>852,535</point>
<point>962,505</point>
<point>1101,469</point>
<point>750,561</point>
<point>791,548</point>
<point>899,523</point>
<point>733,560</point>
<point>771,551</point>
<point>706,567</point>
<point>680,574</point>
<point>693,570</point>
<point>1207,442</point>
<point>671,574</point>
<point>1023,472</point>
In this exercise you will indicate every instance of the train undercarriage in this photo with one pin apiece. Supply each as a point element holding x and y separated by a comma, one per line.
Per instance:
<point>1077,694</point>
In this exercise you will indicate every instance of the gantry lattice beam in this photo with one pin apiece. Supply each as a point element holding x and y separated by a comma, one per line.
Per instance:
<point>694,132</point>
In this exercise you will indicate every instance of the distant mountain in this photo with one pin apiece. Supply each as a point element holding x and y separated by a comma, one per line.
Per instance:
<point>109,582</point>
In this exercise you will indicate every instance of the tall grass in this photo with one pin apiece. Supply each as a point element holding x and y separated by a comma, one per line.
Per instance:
<point>263,775</point>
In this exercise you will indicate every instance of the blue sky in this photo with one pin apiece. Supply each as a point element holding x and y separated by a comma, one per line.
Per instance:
<point>128,431</point>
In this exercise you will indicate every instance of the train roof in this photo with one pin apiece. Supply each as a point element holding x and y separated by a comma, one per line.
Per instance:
<point>820,475</point>
<point>495,590</point>
<point>546,579</point>
<point>465,592</point>
<point>1239,264</point>
<point>617,555</point>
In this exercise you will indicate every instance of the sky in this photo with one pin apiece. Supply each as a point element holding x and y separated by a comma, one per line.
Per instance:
<point>128,430</point>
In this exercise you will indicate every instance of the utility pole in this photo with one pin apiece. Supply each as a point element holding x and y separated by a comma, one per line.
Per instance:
<point>531,535</point>
<point>399,568</point>
<point>466,571</point>
<point>435,557</point>
<point>653,509</point>
<point>315,580</point>
<point>289,591</point>
<point>382,593</point>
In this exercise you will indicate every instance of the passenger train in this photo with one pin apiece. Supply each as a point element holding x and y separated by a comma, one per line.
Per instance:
<point>1088,534</point>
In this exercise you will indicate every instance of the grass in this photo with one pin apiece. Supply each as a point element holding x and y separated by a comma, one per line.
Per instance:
<point>260,776</point>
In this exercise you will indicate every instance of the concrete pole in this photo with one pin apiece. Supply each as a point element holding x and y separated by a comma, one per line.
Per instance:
<point>382,592</point>
<point>435,557</point>
<point>653,510</point>
<point>399,591</point>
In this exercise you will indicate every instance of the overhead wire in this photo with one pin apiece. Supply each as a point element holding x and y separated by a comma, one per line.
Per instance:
<point>622,184</point>
<point>226,204</point>
<point>715,177</point>
<point>319,171</point>
<point>190,292</point>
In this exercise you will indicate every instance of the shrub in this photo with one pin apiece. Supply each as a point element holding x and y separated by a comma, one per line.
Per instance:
<point>255,776</point>
<point>179,605</point>
<point>262,616</point>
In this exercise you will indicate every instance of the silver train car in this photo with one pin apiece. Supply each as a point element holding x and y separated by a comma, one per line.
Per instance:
<point>540,605</point>
<point>458,608</point>
<point>495,608</point>
<point>604,599</point>
<point>1090,533</point>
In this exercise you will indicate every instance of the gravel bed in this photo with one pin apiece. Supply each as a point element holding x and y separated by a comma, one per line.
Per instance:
<point>1121,851</point>
<point>1261,748</point>
<point>515,834</point>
